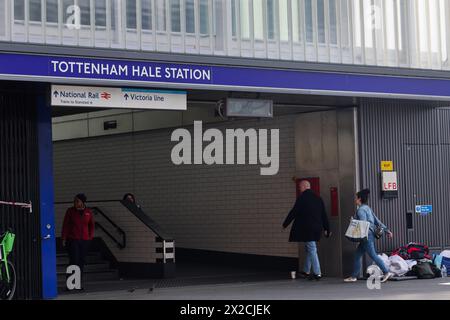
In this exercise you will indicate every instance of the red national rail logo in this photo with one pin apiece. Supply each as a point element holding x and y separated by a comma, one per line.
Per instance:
<point>105,95</point>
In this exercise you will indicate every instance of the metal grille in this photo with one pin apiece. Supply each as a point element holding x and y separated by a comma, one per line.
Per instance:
<point>378,32</point>
<point>19,182</point>
<point>387,129</point>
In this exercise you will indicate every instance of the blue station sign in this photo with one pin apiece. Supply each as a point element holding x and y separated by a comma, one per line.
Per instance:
<point>84,70</point>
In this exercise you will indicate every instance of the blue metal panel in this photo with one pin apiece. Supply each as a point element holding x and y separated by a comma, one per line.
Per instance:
<point>47,216</point>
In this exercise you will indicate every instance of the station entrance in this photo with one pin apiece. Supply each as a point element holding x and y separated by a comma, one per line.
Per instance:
<point>206,223</point>
<point>199,223</point>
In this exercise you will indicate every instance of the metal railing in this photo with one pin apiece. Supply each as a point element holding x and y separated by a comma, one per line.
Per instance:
<point>165,244</point>
<point>137,212</point>
<point>146,220</point>
<point>121,244</point>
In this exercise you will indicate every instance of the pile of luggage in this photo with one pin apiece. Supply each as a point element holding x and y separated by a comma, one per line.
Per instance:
<point>415,260</point>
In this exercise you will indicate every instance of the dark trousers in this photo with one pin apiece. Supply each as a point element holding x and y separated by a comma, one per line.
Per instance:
<point>77,250</point>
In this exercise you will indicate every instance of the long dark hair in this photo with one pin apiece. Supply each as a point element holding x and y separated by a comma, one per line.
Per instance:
<point>126,195</point>
<point>363,195</point>
<point>82,197</point>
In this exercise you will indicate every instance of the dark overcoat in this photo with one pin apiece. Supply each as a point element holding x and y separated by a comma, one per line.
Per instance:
<point>309,218</point>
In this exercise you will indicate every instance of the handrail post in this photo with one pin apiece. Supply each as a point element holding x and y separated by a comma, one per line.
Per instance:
<point>173,250</point>
<point>164,251</point>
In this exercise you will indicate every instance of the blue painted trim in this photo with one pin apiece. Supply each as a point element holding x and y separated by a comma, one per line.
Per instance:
<point>46,193</point>
<point>44,68</point>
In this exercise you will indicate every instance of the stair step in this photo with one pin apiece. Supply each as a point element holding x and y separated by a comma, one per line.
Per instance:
<point>93,267</point>
<point>90,254</point>
<point>96,269</point>
<point>94,259</point>
<point>92,276</point>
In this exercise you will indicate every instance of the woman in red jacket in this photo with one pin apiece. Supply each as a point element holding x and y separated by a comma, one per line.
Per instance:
<point>78,231</point>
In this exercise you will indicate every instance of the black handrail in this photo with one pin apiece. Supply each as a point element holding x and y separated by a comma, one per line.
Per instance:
<point>122,244</point>
<point>145,219</point>
<point>99,226</point>
<point>90,201</point>
<point>138,213</point>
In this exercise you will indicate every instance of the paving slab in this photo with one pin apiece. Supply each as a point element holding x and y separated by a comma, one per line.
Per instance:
<point>300,289</point>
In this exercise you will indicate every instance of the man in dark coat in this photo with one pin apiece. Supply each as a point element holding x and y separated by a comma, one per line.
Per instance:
<point>310,218</point>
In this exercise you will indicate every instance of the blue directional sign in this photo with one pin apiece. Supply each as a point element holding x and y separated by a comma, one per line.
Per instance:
<point>424,210</point>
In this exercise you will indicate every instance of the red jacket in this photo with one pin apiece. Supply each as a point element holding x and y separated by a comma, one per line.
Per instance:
<point>78,225</point>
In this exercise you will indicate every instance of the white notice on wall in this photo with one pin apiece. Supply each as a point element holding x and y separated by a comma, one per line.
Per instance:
<point>389,181</point>
<point>76,96</point>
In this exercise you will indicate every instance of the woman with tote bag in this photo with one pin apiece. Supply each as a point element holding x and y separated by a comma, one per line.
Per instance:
<point>365,213</point>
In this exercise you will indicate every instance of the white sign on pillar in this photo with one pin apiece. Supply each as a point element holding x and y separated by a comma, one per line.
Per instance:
<point>126,98</point>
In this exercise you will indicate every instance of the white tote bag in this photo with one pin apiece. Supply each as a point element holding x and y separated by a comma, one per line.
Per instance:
<point>358,230</point>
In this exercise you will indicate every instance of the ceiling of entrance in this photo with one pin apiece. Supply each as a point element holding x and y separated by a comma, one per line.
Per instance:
<point>283,103</point>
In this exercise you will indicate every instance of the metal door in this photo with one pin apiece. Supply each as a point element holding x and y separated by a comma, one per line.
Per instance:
<point>423,186</point>
<point>446,193</point>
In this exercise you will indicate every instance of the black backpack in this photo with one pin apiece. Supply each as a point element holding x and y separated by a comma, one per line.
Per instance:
<point>423,270</point>
<point>437,272</point>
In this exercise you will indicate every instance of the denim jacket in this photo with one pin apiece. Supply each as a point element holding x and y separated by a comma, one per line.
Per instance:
<point>365,213</point>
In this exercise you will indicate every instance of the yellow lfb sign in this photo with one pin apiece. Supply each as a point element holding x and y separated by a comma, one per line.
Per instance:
<point>387,166</point>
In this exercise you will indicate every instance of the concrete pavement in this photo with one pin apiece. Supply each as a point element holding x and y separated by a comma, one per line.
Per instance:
<point>300,289</point>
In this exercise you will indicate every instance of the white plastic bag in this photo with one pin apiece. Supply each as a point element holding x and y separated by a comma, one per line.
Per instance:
<point>398,265</point>
<point>385,259</point>
<point>358,230</point>
<point>411,263</point>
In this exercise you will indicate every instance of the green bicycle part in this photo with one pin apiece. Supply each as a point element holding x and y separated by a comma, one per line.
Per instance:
<point>6,246</point>
<point>8,242</point>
